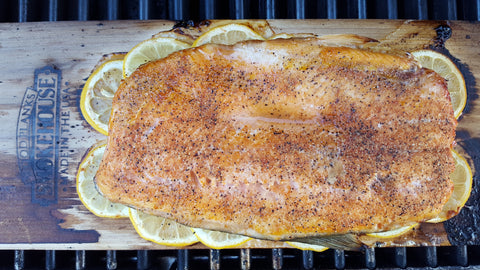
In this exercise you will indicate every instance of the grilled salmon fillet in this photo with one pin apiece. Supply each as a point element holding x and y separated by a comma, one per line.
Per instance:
<point>282,139</point>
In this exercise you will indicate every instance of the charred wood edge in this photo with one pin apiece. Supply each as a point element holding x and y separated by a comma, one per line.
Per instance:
<point>189,24</point>
<point>444,32</point>
<point>461,229</point>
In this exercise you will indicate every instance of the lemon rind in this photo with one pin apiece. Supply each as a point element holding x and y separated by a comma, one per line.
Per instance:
<point>84,202</point>
<point>86,88</point>
<point>142,235</point>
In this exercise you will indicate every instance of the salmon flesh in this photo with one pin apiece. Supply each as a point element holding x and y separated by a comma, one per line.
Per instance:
<point>282,139</point>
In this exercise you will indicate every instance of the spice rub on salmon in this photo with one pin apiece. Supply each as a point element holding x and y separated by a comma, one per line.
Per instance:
<point>282,139</point>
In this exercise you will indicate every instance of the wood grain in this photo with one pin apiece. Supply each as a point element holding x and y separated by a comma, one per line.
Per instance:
<point>58,220</point>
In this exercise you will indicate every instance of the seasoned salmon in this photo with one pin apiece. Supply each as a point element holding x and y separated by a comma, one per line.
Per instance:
<point>282,139</point>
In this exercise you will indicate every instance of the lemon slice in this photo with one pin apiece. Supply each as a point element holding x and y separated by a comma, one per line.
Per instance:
<point>149,50</point>
<point>449,71</point>
<point>219,240</point>
<point>393,233</point>
<point>303,246</point>
<point>98,92</point>
<point>462,179</point>
<point>161,230</point>
<point>88,194</point>
<point>227,34</point>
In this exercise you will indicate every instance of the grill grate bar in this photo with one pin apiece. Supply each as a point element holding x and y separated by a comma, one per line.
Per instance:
<point>300,9</point>
<point>422,9</point>
<point>50,259</point>
<point>112,6</point>
<point>331,9</point>
<point>22,10</point>
<point>143,10</point>
<point>401,257</point>
<point>19,260</point>
<point>111,259</point>
<point>142,260</point>
<point>80,259</point>
<point>307,259</point>
<point>431,256</point>
<point>209,9</point>
<point>239,9</point>
<point>362,9</point>
<point>82,10</point>
<point>452,9</point>
<point>339,258</point>
<point>52,10</point>
<point>214,259</point>
<point>370,261</point>
<point>461,255</point>
<point>277,258</point>
<point>177,9</point>
<point>245,259</point>
<point>478,10</point>
<point>270,9</point>
<point>392,9</point>
<point>448,258</point>
<point>182,259</point>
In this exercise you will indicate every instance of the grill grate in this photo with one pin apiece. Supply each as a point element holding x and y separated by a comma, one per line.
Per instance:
<point>401,257</point>
<point>380,258</point>
<point>54,10</point>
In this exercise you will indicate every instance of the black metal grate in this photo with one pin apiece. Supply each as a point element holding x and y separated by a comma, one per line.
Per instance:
<point>381,258</point>
<point>57,10</point>
<point>466,257</point>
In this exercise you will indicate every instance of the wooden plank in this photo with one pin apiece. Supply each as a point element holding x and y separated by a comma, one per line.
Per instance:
<point>40,208</point>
